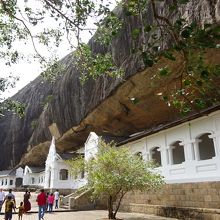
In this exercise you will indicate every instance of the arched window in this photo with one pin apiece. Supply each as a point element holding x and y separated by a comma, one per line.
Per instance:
<point>155,155</point>
<point>177,153</point>
<point>63,174</point>
<point>206,147</point>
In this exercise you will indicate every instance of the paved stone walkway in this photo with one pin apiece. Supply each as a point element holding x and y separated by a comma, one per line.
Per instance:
<point>79,215</point>
<point>88,215</point>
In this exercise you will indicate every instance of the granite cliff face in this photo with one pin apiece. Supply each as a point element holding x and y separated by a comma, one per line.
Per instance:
<point>102,105</point>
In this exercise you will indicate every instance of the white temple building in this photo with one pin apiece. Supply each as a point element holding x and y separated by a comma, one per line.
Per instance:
<point>11,178</point>
<point>187,152</point>
<point>55,174</point>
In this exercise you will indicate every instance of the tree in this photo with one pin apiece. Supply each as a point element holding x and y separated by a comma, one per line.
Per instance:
<point>169,35</point>
<point>115,171</point>
<point>44,24</point>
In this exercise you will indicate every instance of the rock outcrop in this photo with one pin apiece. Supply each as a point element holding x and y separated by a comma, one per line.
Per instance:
<point>103,105</point>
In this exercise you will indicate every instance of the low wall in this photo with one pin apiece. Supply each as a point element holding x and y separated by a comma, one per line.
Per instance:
<point>192,200</point>
<point>84,201</point>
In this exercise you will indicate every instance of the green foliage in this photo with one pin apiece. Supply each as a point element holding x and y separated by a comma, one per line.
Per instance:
<point>164,71</point>
<point>23,22</point>
<point>93,66</point>
<point>47,100</point>
<point>77,165</point>
<point>14,106</point>
<point>108,29</point>
<point>53,69</point>
<point>135,101</point>
<point>9,105</point>
<point>198,88</point>
<point>34,124</point>
<point>115,171</point>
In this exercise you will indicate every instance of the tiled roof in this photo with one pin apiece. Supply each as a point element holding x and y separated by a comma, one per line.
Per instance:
<point>67,156</point>
<point>37,169</point>
<point>7,172</point>
<point>108,138</point>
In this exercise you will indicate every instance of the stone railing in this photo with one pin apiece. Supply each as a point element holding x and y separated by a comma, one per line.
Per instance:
<point>65,200</point>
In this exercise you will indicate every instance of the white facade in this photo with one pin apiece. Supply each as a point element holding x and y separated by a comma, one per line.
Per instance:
<point>9,179</point>
<point>33,176</point>
<point>91,146</point>
<point>57,175</point>
<point>189,152</point>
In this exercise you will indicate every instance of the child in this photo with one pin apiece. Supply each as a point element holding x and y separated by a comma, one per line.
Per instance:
<point>20,211</point>
<point>9,205</point>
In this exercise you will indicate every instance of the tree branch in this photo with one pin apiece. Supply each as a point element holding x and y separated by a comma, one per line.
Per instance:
<point>166,20</point>
<point>26,27</point>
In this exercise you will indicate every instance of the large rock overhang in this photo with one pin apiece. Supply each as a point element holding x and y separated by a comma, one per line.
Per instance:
<point>118,115</point>
<point>101,105</point>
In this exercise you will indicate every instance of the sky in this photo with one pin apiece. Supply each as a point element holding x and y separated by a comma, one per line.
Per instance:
<point>26,71</point>
<point>29,70</point>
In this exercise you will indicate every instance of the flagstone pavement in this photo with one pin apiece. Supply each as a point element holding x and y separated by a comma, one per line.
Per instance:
<point>61,214</point>
<point>88,215</point>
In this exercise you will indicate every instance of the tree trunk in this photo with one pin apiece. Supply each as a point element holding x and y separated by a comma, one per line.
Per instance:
<point>110,208</point>
<point>118,205</point>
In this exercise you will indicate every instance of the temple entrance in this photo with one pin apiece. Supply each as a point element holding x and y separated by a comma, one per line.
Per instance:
<point>18,182</point>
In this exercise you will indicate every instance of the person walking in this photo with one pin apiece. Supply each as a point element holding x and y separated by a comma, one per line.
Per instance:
<point>9,205</point>
<point>56,197</point>
<point>10,194</point>
<point>21,211</point>
<point>2,198</point>
<point>27,204</point>
<point>41,201</point>
<point>50,201</point>
<point>47,194</point>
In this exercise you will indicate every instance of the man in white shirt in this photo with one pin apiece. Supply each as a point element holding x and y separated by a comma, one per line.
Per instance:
<point>56,197</point>
<point>11,195</point>
<point>2,198</point>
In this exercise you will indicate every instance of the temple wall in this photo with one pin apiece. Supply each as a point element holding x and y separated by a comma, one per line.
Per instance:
<point>189,152</point>
<point>183,201</point>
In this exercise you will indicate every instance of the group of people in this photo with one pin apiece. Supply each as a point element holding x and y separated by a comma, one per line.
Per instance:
<point>45,203</point>
<point>10,204</point>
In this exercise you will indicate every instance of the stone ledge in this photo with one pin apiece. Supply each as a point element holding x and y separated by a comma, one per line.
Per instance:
<point>174,212</point>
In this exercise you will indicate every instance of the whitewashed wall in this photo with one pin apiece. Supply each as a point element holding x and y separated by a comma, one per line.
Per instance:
<point>33,179</point>
<point>54,164</point>
<point>91,145</point>
<point>193,169</point>
<point>5,182</point>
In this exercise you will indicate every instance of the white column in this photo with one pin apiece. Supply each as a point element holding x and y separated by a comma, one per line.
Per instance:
<point>196,148</point>
<point>47,177</point>
<point>170,154</point>
<point>188,150</point>
<point>54,178</point>
<point>164,158</point>
<point>145,152</point>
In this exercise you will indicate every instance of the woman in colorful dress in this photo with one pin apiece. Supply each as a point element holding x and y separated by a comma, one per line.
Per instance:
<point>27,204</point>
